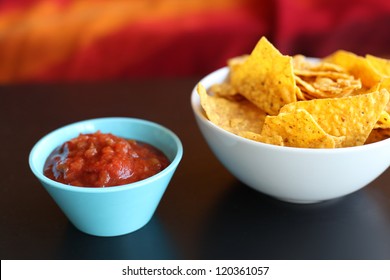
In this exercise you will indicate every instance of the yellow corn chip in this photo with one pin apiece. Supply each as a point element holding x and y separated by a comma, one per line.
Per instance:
<point>273,139</point>
<point>339,101</point>
<point>299,94</point>
<point>383,121</point>
<point>235,62</point>
<point>319,79</point>
<point>353,117</point>
<point>231,115</point>
<point>265,78</point>
<point>357,66</point>
<point>299,129</point>
<point>385,84</point>
<point>381,65</point>
<point>225,90</point>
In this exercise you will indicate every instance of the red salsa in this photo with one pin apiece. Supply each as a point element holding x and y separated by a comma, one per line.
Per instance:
<point>103,160</point>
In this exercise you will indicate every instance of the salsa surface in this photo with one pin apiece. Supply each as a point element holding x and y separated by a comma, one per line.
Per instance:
<point>103,160</point>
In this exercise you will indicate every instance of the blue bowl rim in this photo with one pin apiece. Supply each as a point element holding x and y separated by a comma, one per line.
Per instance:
<point>170,168</point>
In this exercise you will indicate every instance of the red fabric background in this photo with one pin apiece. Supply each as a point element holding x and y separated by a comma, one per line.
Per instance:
<point>182,41</point>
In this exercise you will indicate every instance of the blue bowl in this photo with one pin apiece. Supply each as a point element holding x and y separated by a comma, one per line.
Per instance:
<point>115,210</point>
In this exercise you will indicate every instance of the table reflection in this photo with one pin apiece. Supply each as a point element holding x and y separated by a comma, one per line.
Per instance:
<point>149,242</point>
<point>250,225</point>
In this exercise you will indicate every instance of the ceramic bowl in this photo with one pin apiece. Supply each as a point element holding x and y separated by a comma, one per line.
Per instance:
<point>115,210</point>
<point>298,175</point>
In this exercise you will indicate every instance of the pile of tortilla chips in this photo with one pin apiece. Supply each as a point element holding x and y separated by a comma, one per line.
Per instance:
<point>339,101</point>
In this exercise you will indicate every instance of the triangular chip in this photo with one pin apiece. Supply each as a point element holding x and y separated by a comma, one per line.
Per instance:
<point>353,117</point>
<point>231,115</point>
<point>299,129</point>
<point>265,78</point>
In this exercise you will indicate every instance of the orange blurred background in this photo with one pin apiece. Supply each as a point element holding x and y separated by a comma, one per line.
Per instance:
<point>89,40</point>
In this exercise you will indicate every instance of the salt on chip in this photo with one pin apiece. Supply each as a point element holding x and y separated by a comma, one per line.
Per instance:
<point>353,117</point>
<point>299,129</point>
<point>231,115</point>
<point>265,78</point>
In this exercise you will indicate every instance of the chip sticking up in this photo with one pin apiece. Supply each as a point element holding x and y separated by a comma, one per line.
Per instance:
<point>299,129</point>
<point>231,115</point>
<point>265,78</point>
<point>353,117</point>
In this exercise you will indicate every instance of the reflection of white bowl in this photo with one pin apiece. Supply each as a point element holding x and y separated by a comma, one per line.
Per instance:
<point>297,175</point>
<point>114,210</point>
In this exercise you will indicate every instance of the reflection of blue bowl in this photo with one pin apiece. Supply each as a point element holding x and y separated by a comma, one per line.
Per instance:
<point>115,210</point>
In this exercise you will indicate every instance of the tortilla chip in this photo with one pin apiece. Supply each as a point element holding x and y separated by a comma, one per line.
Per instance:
<point>298,129</point>
<point>381,65</point>
<point>342,100</point>
<point>272,139</point>
<point>357,66</point>
<point>231,115</point>
<point>299,94</point>
<point>235,62</point>
<point>225,90</point>
<point>353,117</point>
<point>385,84</point>
<point>383,121</point>
<point>319,79</point>
<point>265,78</point>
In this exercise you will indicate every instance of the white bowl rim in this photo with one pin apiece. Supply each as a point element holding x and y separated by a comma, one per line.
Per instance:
<point>173,164</point>
<point>196,107</point>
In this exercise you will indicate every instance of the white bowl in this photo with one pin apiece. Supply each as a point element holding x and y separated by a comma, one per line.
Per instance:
<point>298,175</point>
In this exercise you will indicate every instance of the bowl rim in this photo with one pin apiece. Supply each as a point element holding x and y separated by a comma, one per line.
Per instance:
<point>54,184</point>
<point>199,113</point>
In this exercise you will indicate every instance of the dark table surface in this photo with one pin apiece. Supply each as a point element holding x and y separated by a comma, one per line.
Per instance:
<point>205,213</point>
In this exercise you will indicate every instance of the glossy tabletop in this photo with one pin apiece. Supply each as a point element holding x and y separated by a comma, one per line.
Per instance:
<point>205,213</point>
